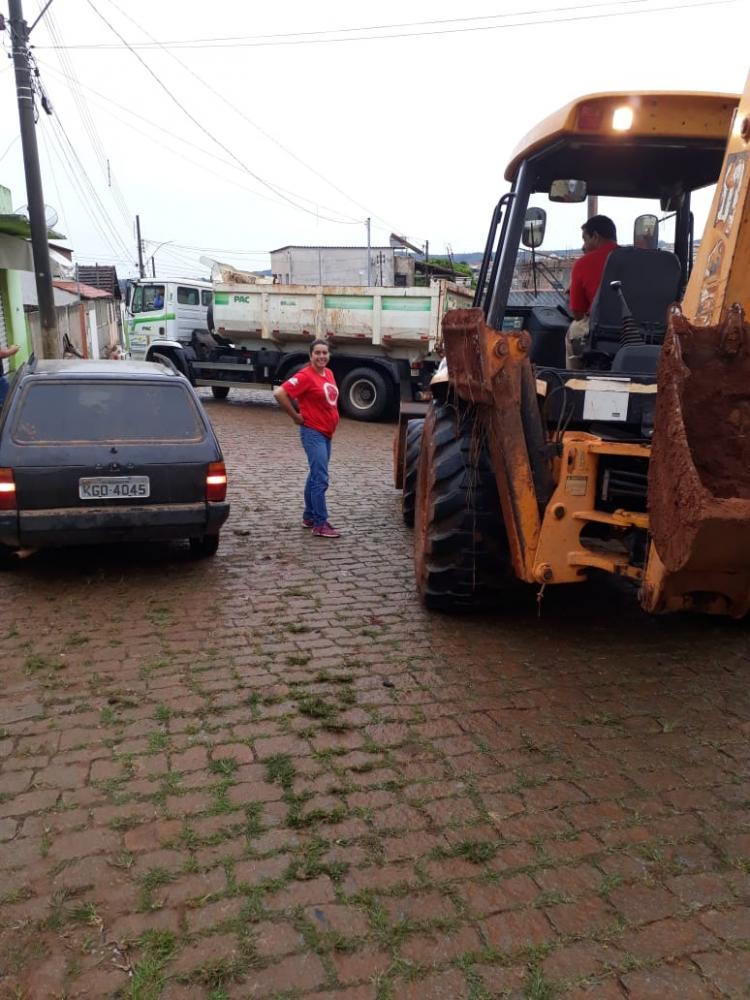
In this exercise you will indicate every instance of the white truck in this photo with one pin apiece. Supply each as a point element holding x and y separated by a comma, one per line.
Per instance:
<point>384,341</point>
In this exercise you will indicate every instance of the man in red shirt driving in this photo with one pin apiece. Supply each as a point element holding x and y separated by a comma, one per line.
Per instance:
<point>599,240</point>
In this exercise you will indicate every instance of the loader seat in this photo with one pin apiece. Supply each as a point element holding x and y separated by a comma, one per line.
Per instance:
<point>650,283</point>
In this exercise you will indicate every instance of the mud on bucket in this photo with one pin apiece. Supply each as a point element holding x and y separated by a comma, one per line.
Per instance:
<point>699,474</point>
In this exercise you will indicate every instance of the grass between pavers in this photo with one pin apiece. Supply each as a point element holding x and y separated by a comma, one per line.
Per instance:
<point>148,974</point>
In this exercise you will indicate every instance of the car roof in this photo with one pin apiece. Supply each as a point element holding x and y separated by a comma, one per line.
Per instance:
<point>90,367</point>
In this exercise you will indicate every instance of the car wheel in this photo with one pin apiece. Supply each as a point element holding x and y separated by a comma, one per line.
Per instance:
<point>204,546</point>
<point>220,391</point>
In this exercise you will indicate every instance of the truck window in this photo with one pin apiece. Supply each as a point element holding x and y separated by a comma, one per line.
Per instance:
<point>207,297</point>
<point>148,298</point>
<point>88,412</point>
<point>188,296</point>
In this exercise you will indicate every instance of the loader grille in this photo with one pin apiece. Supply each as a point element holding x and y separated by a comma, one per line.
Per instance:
<point>623,483</point>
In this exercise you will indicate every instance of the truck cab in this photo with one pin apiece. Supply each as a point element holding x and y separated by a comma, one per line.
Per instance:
<point>165,311</point>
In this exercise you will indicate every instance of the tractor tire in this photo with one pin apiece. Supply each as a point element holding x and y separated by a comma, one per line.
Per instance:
<point>220,391</point>
<point>461,557</point>
<point>411,466</point>
<point>364,394</point>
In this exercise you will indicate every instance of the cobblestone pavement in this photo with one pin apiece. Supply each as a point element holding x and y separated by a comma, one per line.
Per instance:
<point>273,774</point>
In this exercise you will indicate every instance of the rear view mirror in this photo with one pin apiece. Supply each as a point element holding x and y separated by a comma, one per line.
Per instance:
<point>534,224</point>
<point>646,232</point>
<point>568,191</point>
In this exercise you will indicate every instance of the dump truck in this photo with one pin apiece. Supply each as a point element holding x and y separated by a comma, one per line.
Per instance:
<point>637,465</point>
<point>384,341</point>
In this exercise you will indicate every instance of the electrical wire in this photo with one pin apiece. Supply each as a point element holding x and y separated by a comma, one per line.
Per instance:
<point>182,157</point>
<point>205,83</point>
<point>106,219</point>
<point>79,99</point>
<point>56,147</point>
<point>210,135</point>
<point>80,181</point>
<point>280,40</point>
<point>10,146</point>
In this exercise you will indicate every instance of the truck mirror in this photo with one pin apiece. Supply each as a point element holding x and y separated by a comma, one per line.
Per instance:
<point>646,232</point>
<point>568,191</point>
<point>534,224</point>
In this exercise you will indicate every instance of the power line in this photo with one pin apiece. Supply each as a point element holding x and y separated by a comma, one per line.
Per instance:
<point>162,131</point>
<point>69,170</point>
<point>79,99</point>
<point>80,180</point>
<point>210,135</point>
<point>293,38</point>
<point>258,128</point>
<point>10,146</point>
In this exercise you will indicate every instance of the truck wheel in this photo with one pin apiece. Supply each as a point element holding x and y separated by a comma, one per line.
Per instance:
<point>204,546</point>
<point>364,394</point>
<point>411,464</point>
<point>220,391</point>
<point>461,556</point>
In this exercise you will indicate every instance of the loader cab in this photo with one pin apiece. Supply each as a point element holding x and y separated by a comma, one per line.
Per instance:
<point>642,157</point>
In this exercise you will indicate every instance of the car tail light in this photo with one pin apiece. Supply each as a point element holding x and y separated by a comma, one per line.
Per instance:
<point>216,482</point>
<point>7,490</point>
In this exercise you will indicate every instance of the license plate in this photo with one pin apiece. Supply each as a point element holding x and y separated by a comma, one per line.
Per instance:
<point>113,487</point>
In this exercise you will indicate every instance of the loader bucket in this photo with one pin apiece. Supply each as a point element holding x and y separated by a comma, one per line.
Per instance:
<point>699,473</point>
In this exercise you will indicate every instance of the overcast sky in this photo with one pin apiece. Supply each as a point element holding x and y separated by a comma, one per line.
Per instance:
<point>406,113</point>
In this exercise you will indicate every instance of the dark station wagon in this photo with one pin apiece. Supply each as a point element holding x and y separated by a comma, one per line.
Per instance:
<point>107,451</point>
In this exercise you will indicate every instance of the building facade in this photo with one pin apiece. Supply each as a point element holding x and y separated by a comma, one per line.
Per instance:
<point>298,265</point>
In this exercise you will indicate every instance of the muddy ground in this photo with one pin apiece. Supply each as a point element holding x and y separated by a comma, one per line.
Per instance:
<point>272,774</point>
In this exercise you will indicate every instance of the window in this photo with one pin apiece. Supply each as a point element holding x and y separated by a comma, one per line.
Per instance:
<point>207,298</point>
<point>58,413</point>
<point>188,296</point>
<point>148,298</point>
<point>399,280</point>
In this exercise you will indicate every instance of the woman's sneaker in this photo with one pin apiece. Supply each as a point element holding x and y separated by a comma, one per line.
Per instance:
<point>307,522</point>
<point>326,531</point>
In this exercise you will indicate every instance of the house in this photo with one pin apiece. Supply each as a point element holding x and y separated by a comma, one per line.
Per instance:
<point>302,265</point>
<point>15,259</point>
<point>88,319</point>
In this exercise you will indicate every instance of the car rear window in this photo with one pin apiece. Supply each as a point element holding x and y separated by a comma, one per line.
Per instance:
<point>58,412</point>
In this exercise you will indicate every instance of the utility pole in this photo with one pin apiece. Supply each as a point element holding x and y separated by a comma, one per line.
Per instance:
<point>369,265</point>
<point>19,31</point>
<point>141,269</point>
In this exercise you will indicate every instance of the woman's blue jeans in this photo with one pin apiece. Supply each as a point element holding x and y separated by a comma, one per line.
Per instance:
<point>318,450</point>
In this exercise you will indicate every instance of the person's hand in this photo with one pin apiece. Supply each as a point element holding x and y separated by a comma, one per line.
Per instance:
<point>298,419</point>
<point>10,351</point>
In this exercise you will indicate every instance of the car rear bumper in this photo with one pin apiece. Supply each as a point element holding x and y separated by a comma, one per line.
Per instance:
<point>93,525</point>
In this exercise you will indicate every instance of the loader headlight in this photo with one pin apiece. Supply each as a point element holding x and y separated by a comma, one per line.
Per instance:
<point>622,119</point>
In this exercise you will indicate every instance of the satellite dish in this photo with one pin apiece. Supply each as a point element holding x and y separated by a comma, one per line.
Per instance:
<point>50,215</point>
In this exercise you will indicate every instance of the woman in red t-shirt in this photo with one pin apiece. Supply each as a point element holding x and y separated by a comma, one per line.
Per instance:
<point>316,394</point>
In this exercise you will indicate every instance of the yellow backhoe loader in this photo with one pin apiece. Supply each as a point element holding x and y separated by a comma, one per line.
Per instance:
<point>638,464</point>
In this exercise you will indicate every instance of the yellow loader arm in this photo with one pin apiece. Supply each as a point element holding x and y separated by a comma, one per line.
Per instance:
<point>699,474</point>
